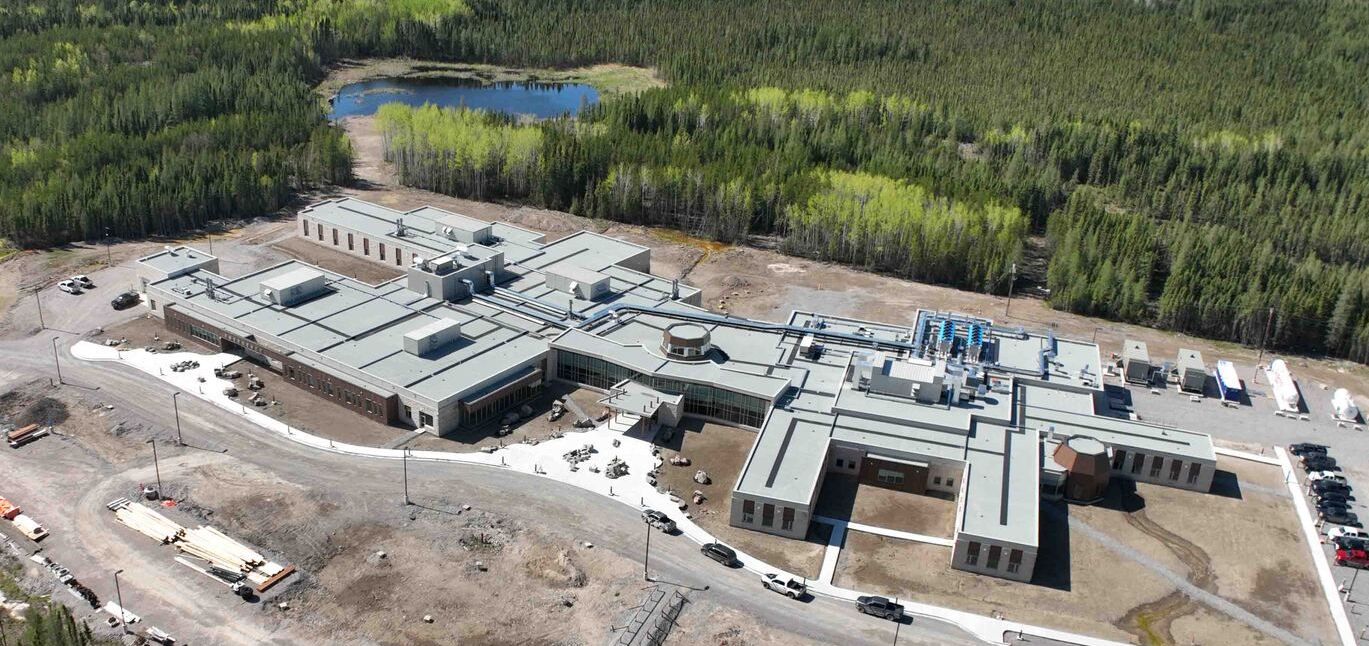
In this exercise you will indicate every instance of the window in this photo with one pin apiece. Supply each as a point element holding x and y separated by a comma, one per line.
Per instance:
<point>382,251</point>
<point>768,515</point>
<point>320,232</point>
<point>1014,561</point>
<point>889,477</point>
<point>1119,458</point>
<point>425,419</point>
<point>972,554</point>
<point>306,225</point>
<point>349,242</point>
<point>1155,463</point>
<point>1194,469</point>
<point>399,256</point>
<point>995,553</point>
<point>787,519</point>
<point>334,236</point>
<point>950,482</point>
<point>936,480</point>
<point>841,464</point>
<point>328,388</point>
<point>1136,462</point>
<point>408,413</point>
<point>365,246</point>
<point>748,511</point>
<point>1175,466</point>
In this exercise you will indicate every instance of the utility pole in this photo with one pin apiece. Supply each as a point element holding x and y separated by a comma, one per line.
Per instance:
<point>1011,279</point>
<point>123,612</point>
<point>156,467</point>
<point>897,625</point>
<point>646,557</point>
<point>1265,337</point>
<point>39,302</point>
<point>405,460</point>
<point>56,360</point>
<point>177,408</point>
<point>108,259</point>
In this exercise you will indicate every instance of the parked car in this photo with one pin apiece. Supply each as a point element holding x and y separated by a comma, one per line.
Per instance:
<point>1352,558</point>
<point>785,585</point>
<point>1336,497</point>
<point>84,281</point>
<point>1319,463</point>
<point>880,607</point>
<point>720,553</point>
<point>1307,448</point>
<point>126,299</point>
<point>1319,486</point>
<point>1350,543</point>
<point>1327,505</point>
<point>658,520</point>
<point>1341,516</point>
<point>69,287</point>
<point>1337,532</point>
<point>1319,476</point>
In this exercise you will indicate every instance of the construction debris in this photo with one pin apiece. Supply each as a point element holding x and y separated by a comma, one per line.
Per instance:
<point>680,461</point>
<point>701,477</point>
<point>580,455</point>
<point>616,468</point>
<point>182,366</point>
<point>115,342</point>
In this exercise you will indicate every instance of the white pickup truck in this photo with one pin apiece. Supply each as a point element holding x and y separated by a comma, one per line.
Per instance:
<point>785,585</point>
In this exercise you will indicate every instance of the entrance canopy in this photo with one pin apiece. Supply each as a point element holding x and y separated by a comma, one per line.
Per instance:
<point>634,398</point>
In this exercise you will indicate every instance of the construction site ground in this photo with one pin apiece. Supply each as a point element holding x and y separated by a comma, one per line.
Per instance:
<point>721,451</point>
<point>1241,542</point>
<point>844,498</point>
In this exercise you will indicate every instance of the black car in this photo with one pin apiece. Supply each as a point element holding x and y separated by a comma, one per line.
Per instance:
<point>1324,486</point>
<point>1319,463</point>
<point>720,553</point>
<point>126,299</point>
<point>1350,543</point>
<point>1341,517</point>
<point>1334,497</point>
<point>1327,505</point>
<point>1307,448</point>
<point>879,607</point>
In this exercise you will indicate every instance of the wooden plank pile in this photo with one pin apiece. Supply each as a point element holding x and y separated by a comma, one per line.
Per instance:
<point>205,543</point>
<point>146,521</point>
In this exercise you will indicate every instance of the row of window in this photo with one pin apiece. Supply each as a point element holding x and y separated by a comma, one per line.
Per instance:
<point>1157,464</point>
<point>492,408</point>
<point>354,399</point>
<point>699,399</point>
<point>767,515</point>
<point>972,554</point>
<point>365,243</point>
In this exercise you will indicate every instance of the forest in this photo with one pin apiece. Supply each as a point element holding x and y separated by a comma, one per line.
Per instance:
<point>1195,164</point>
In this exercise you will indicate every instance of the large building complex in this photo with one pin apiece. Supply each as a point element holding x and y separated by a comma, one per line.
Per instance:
<point>997,418</point>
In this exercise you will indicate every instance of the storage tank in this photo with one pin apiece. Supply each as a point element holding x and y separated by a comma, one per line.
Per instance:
<point>1345,407</point>
<point>1284,386</point>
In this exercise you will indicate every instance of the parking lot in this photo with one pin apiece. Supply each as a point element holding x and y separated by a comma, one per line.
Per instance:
<point>1254,426</point>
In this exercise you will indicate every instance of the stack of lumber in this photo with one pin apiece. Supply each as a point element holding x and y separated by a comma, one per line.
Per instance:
<point>146,521</point>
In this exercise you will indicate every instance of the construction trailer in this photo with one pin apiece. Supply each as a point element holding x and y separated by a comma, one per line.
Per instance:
<point>1228,382</point>
<point>1136,365</point>
<point>1192,371</point>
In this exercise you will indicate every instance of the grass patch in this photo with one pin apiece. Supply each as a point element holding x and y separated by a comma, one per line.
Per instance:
<point>608,79</point>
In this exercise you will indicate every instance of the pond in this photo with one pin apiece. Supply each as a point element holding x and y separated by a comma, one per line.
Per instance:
<point>536,100</point>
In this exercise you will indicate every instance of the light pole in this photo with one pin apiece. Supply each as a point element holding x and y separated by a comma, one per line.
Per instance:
<point>156,467</point>
<point>646,558</point>
<point>39,302</point>
<point>1012,279</point>
<point>1095,335</point>
<point>175,407</point>
<point>897,625</point>
<point>123,612</point>
<point>56,360</point>
<point>109,262</point>
<point>405,459</point>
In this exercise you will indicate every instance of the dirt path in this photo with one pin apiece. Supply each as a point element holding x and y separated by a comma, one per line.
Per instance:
<point>1151,622</point>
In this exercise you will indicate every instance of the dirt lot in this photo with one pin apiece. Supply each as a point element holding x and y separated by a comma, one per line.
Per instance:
<point>721,451</point>
<point>534,426</point>
<point>844,498</point>
<point>1246,549</point>
<point>351,590</point>
<point>305,410</point>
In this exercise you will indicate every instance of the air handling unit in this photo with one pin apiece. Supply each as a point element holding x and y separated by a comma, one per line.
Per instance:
<point>577,281</point>
<point>1192,371</point>
<point>431,337</point>
<point>1136,365</point>
<point>293,287</point>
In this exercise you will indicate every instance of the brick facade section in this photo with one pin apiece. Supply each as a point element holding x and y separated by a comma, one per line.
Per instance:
<point>914,477</point>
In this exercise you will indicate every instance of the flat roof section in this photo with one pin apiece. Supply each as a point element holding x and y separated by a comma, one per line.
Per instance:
<point>1001,498</point>
<point>175,259</point>
<point>789,455</point>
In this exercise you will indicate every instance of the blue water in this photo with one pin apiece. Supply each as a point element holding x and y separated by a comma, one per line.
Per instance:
<point>536,100</point>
